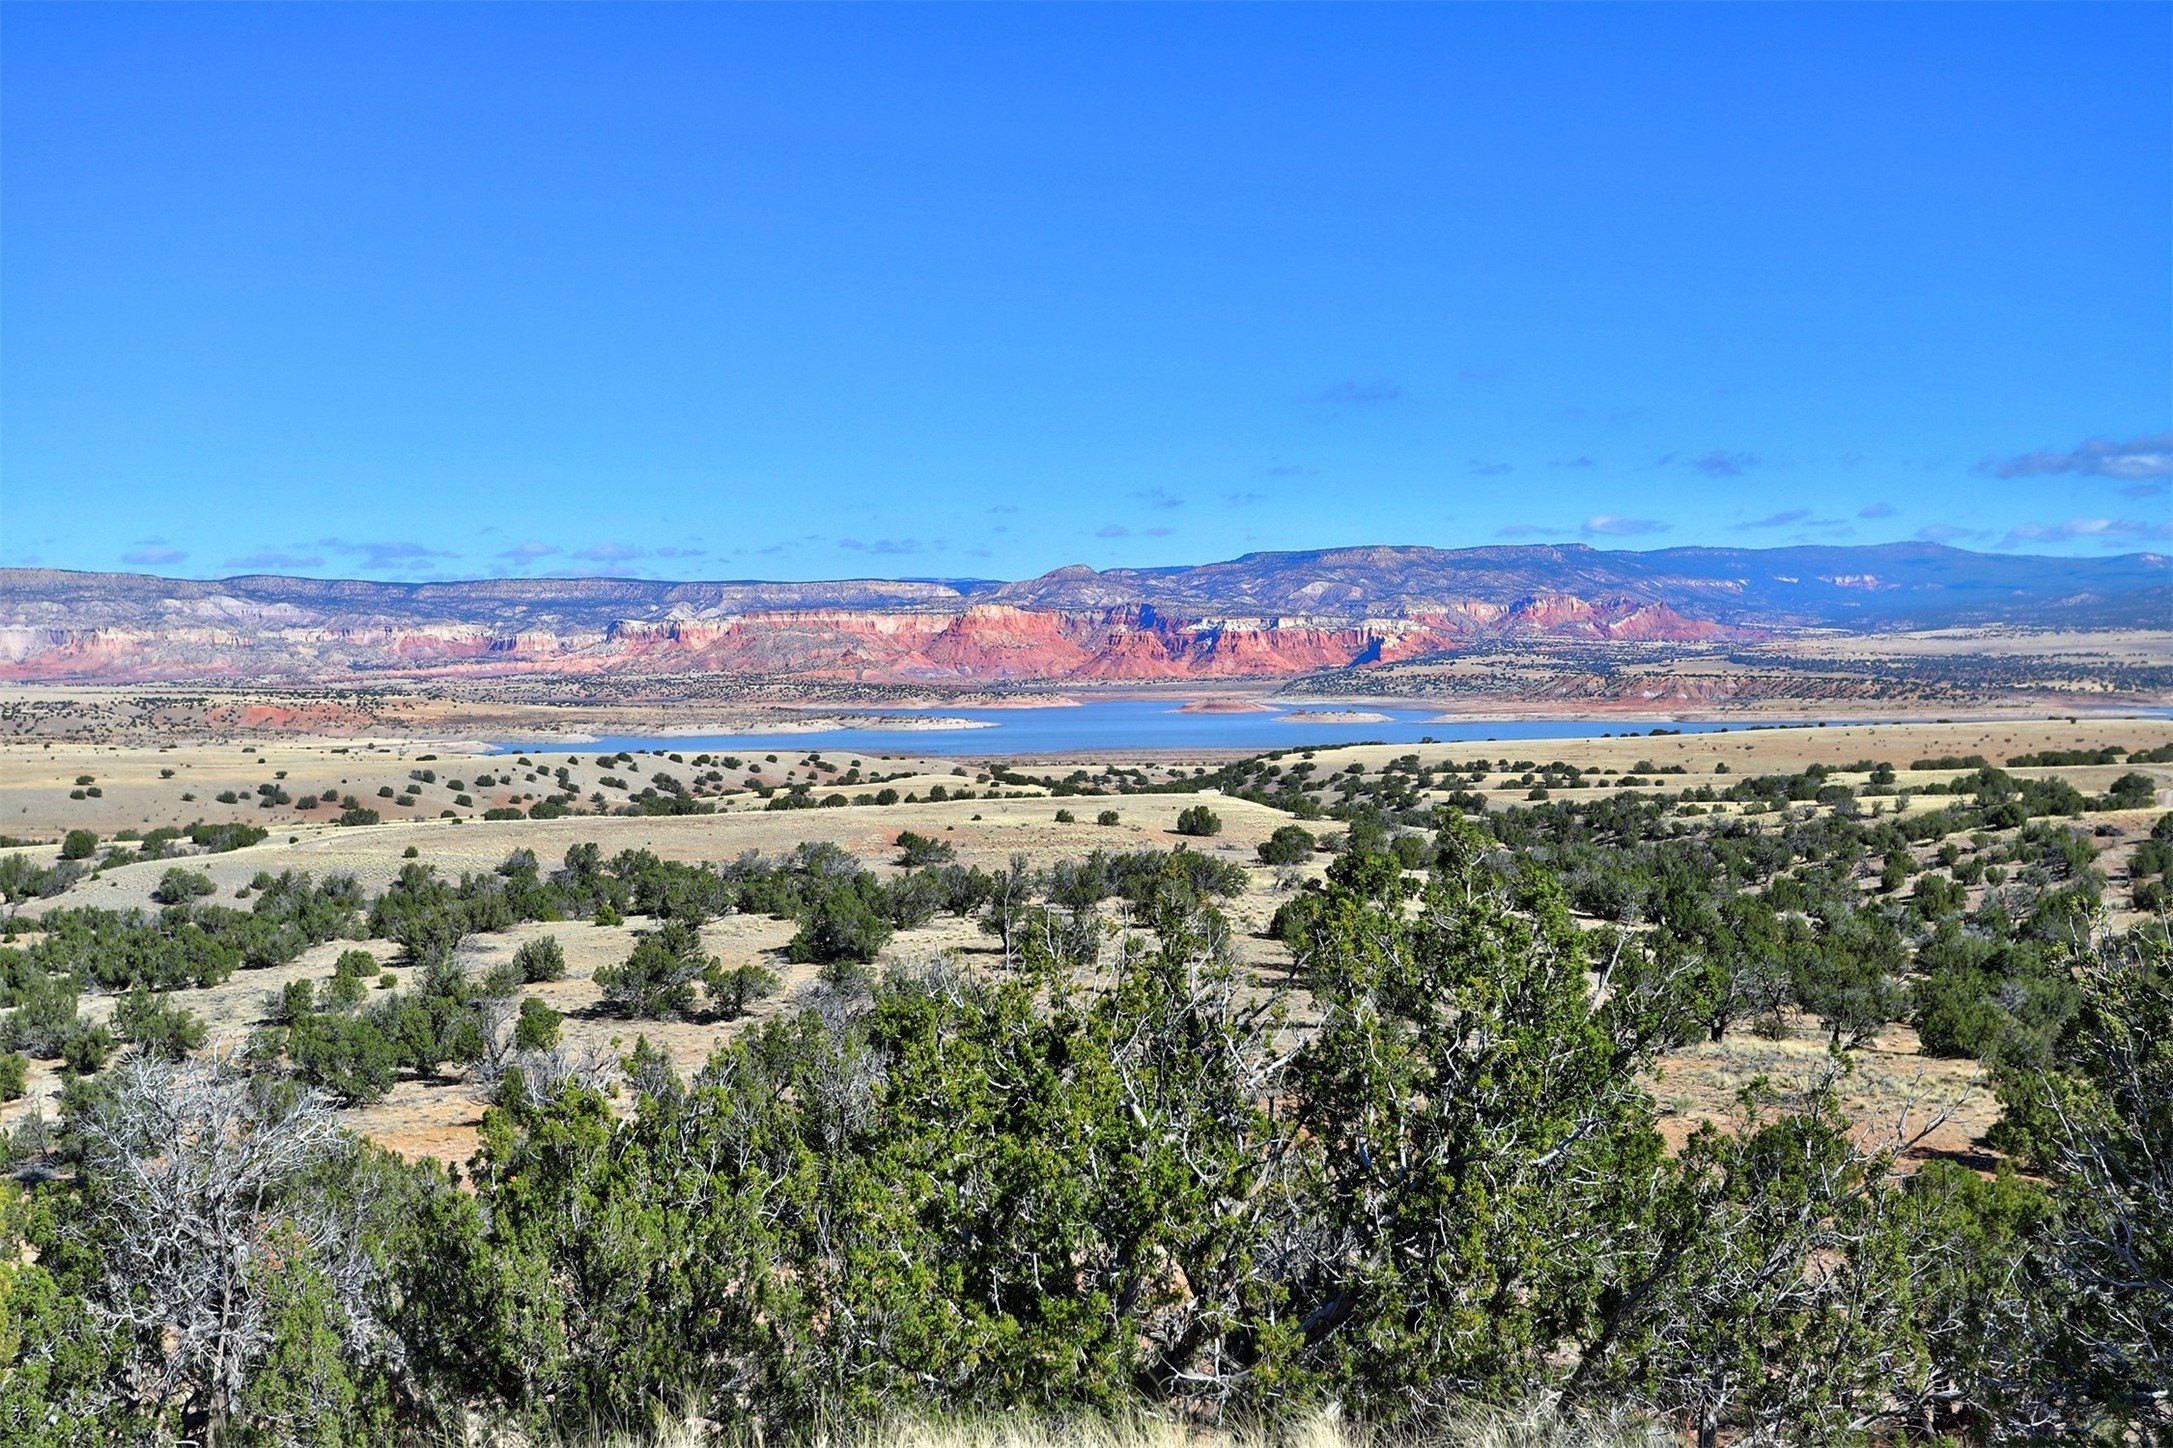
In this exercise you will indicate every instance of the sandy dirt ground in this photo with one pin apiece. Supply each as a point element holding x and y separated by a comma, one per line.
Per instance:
<point>178,783</point>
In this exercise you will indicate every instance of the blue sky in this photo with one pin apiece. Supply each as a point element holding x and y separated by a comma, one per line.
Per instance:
<point>406,291</point>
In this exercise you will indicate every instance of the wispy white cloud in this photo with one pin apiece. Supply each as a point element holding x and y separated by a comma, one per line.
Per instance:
<point>272,558</point>
<point>900,547</point>
<point>1614,525</point>
<point>1725,464</point>
<point>2107,532</point>
<point>156,555</point>
<point>2143,457</point>
<point>1786,519</point>
<point>384,554</point>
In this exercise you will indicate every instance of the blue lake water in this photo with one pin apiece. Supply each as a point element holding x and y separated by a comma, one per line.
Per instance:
<point>1116,728</point>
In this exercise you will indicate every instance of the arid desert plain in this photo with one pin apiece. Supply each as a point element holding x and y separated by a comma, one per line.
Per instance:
<point>431,798</point>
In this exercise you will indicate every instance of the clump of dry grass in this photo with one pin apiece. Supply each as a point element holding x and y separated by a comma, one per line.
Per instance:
<point>1541,1424</point>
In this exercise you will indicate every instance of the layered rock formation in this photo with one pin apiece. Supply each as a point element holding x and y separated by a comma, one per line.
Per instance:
<point>1265,615</point>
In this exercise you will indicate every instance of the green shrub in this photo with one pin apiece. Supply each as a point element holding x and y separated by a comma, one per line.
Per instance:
<point>2132,791</point>
<point>1198,820</point>
<point>537,1028</point>
<point>1289,845</point>
<point>916,850</point>
<point>156,1026</point>
<point>86,1048</point>
<point>658,979</point>
<point>78,845</point>
<point>178,886</point>
<point>541,959</point>
<point>732,992</point>
<point>350,1056</point>
<point>840,924</point>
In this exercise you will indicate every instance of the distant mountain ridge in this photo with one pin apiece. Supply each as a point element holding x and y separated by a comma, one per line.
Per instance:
<point>1261,614</point>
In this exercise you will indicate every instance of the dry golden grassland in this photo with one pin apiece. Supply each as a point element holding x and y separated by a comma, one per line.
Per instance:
<point>1538,1425</point>
<point>143,787</point>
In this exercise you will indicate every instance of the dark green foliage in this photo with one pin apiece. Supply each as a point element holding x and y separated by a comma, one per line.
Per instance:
<point>1289,845</point>
<point>843,921</point>
<point>14,1075</point>
<point>153,1024</point>
<point>658,980</point>
<point>2099,1120</point>
<point>1770,1288</point>
<point>915,851</point>
<point>20,879</point>
<point>1110,1174</point>
<point>1851,981</point>
<point>296,999</point>
<point>428,1028</point>
<point>2054,758</point>
<point>44,1013</point>
<point>86,1048</point>
<point>350,1057</point>
<point>178,886</point>
<point>850,1211</point>
<point>541,959</point>
<point>219,839</point>
<point>78,845</point>
<point>732,992</point>
<point>2131,791</point>
<point>1997,1000</point>
<point>343,993</point>
<point>1198,819</point>
<point>429,916</point>
<point>57,1360</point>
<point>536,1028</point>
